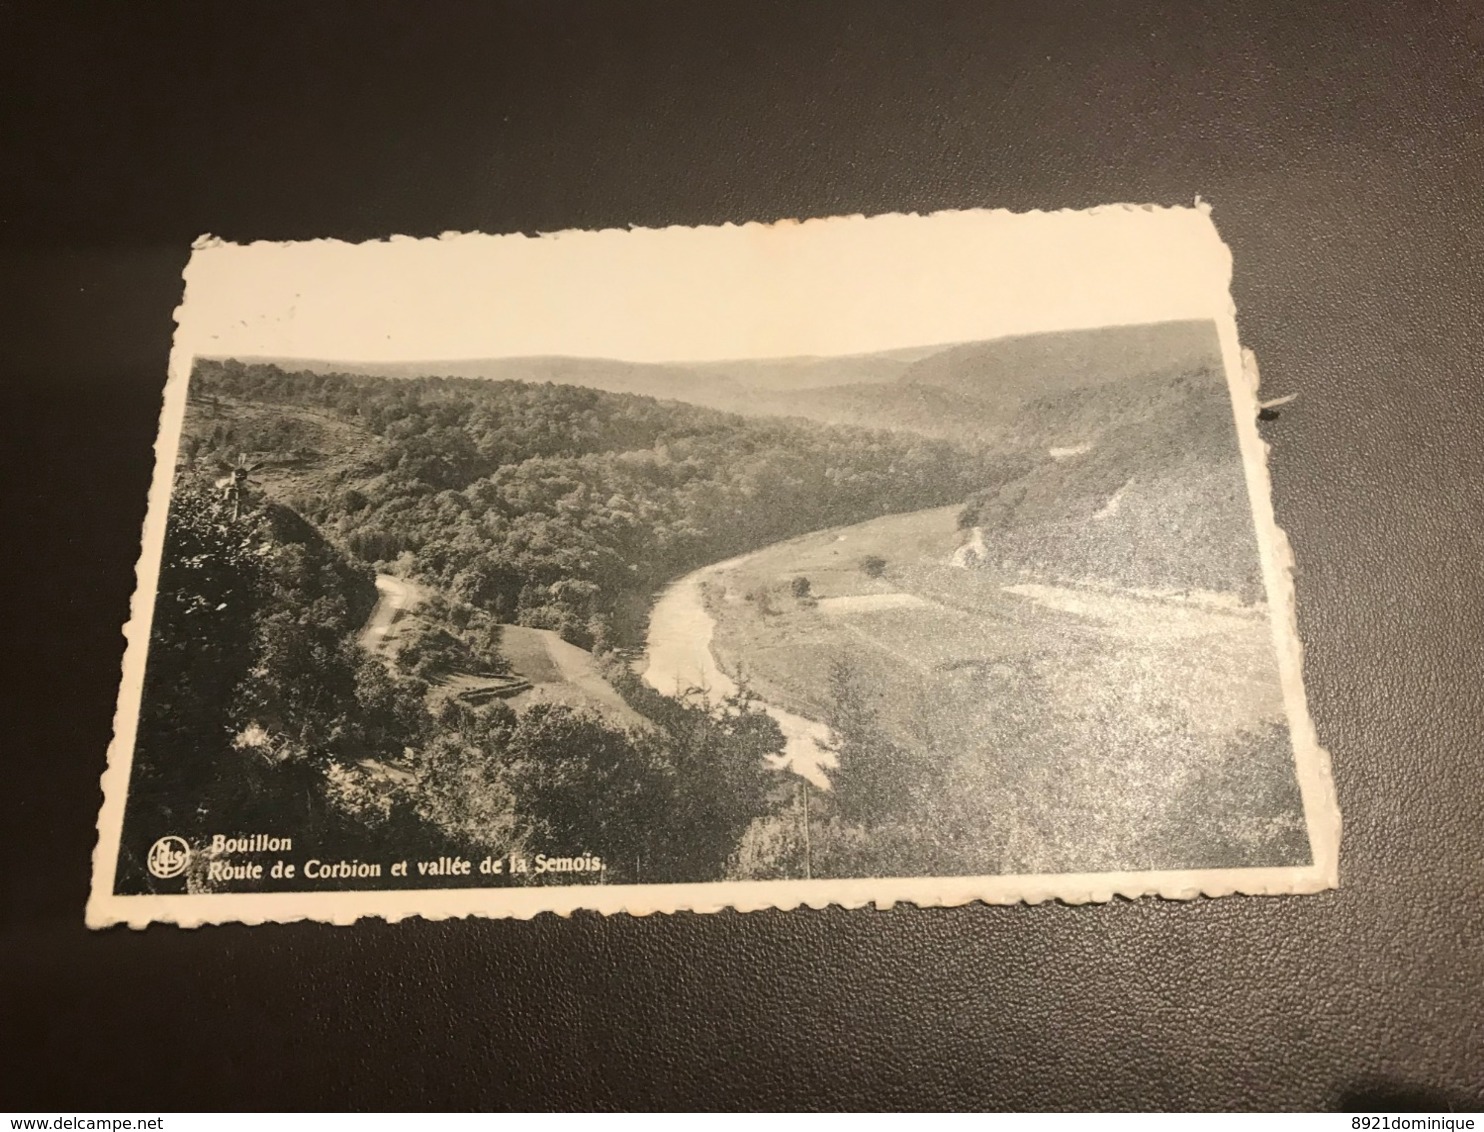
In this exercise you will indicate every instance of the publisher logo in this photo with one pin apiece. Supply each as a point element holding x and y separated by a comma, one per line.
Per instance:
<point>168,857</point>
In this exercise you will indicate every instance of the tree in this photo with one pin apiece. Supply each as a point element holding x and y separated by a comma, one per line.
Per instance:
<point>585,787</point>
<point>462,791</point>
<point>721,783</point>
<point>213,576</point>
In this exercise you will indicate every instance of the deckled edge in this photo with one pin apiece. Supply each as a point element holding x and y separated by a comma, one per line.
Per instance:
<point>208,241</point>
<point>1312,760</point>
<point>114,782</point>
<point>1313,764</point>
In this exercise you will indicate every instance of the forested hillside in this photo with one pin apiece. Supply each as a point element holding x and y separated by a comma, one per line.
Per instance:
<point>555,506</point>
<point>983,392</point>
<point>254,687</point>
<point>1146,490</point>
<point>1022,367</point>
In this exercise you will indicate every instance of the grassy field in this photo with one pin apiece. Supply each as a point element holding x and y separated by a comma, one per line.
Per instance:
<point>562,673</point>
<point>556,672</point>
<point>1076,727</point>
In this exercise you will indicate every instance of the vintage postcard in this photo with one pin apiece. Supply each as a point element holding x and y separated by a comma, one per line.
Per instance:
<point>856,561</point>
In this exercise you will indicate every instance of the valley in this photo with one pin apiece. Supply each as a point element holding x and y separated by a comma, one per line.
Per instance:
<point>981,608</point>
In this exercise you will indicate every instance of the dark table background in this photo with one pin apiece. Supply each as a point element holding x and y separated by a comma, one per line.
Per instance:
<point>1341,147</point>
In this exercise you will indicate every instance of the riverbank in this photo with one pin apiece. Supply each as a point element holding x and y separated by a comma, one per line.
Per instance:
<point>680,660</point>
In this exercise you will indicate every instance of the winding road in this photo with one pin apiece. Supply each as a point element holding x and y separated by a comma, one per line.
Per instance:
<point>394,597</point>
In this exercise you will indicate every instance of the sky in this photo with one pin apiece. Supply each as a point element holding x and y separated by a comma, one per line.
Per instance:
<point>821,287</point>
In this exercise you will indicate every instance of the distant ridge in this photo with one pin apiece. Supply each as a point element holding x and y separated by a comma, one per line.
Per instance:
<point>965,390</point>
<point>1035,365</point>
<point>654,379</point>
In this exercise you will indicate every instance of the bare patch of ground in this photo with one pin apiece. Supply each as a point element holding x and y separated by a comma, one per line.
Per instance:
<point>396,598</point>
<point>869,603</point>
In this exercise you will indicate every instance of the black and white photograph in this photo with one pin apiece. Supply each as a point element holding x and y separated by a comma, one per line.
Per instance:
<point>917,559</point>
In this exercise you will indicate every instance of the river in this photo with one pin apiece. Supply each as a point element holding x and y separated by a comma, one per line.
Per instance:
<point>679,658</point>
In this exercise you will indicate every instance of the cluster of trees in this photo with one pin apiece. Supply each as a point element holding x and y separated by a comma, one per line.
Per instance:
<point>565,508</point>
<point>254,685</point>
<point>658,804</point>
<point>451,636</point>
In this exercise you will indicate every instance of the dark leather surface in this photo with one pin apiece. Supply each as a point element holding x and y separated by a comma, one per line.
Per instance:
<point>1341,146</point>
